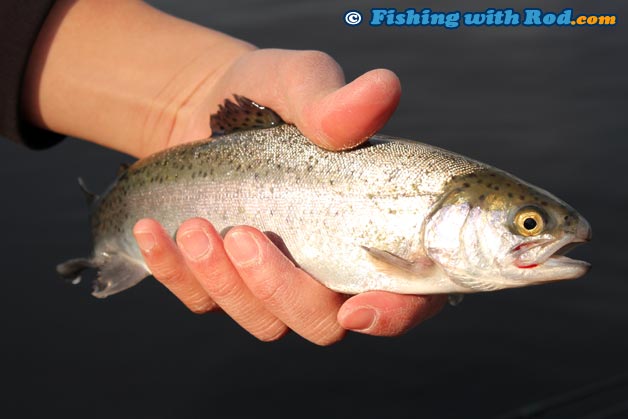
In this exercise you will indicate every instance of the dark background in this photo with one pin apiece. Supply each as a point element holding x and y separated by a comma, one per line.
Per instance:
<point>547,104</point>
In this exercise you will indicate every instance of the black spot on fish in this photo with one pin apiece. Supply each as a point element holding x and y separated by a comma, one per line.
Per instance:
<point>568,223</point>
<point>492,175</point>
<point>496,188</point>
<point>489,185</point>
<point>566,217</point>
<point>544,203</point>
<point>259,113</point>
<point>509,194</point>
<point>481,197</point>
<point>479,181</point>
<point>522,197</point>
<point>466,185</point>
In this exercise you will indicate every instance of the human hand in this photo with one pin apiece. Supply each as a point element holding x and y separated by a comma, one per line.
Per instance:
<point>252,281</point>
<point>245,274</point>
<point>306,88</point>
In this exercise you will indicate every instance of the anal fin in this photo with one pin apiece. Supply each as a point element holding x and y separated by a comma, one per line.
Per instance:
<point>117,273</point>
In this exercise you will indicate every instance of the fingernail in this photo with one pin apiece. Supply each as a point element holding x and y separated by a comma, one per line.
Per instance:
<point>360,319</point>
<point>325,142</point>
<point>145,240</point>
<point>246,250</point>
<point>195,244</point>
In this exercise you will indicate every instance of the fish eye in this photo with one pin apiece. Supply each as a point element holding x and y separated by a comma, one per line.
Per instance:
<point>529,222</point>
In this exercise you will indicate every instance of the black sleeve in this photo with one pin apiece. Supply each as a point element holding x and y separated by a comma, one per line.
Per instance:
<point>20,22</point>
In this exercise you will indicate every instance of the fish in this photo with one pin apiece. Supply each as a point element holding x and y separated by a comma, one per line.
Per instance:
<point>392,214</point>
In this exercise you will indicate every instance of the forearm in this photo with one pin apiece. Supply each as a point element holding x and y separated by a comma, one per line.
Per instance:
<point>121,73</point>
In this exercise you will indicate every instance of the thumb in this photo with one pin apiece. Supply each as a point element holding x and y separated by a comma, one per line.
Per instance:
<point>307,88</point>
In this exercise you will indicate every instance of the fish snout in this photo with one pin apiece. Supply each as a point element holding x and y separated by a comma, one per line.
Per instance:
<point>583,230</point>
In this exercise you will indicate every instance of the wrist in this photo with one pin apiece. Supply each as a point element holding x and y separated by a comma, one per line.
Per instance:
<point>180,111</point>
<point>123,74</point>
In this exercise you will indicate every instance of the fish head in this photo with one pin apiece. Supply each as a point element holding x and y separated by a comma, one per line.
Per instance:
<point>492,231</point>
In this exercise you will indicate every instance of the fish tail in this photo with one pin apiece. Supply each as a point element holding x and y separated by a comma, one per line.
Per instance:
<point>71,269</point>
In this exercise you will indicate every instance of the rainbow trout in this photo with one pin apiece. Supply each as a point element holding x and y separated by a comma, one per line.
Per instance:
<point>392,214</point>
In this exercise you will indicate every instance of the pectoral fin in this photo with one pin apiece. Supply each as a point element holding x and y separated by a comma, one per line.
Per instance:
<point>392,264</point>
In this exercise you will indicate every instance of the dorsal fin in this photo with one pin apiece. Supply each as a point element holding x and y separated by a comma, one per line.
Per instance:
<point>90,196</point>
<point>242,115</point>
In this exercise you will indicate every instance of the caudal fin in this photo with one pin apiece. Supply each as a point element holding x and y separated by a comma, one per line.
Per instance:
<point>116,272</point>
<point>71,269</point>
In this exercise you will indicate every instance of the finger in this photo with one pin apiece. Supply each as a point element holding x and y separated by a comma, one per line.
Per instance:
<point>307,88</point>
<point>168,266</point>
<point>382,313</point>
<point>302,303</point>
<point>203,250</point>
<point>346,117</point>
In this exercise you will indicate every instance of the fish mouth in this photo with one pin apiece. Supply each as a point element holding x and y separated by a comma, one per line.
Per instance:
<point>559,259</point>
<point>547,258</point>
